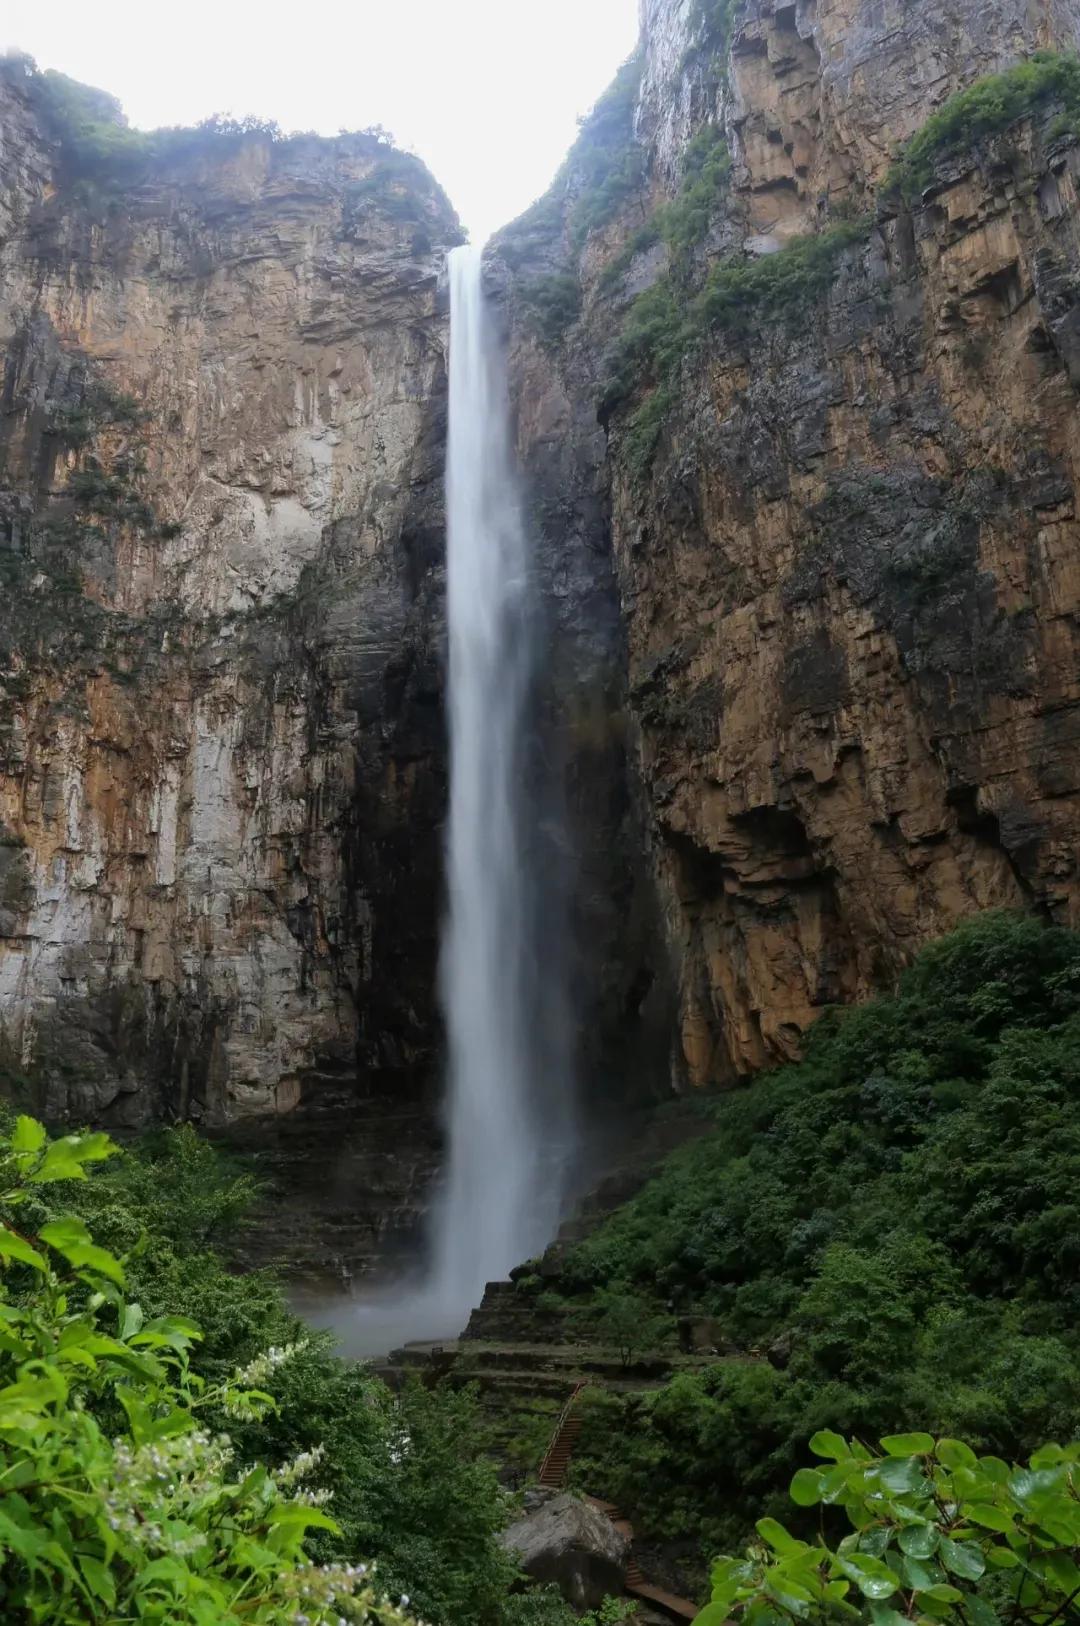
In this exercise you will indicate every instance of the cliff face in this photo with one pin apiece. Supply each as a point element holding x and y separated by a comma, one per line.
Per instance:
<point>799,438</point>
<point>221,744</point>
<point>838,483</point>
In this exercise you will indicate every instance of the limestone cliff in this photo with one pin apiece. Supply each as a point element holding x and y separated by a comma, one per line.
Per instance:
<point>221,743</point>
<point>827,429</point>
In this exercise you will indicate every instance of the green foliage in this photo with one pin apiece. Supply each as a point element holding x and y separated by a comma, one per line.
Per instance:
<point>399,183</point>
<point>896,1219</point>
<point>411,1485</point>
<point>552,304</point>
<point>77,423</point>
<point>780,285</point>
<point>684,222</point>
<point>938,1534</point>
<point>644,428</point>
<point>605,160</point>
<point>97,141</point>
<point>663,323</point>
<point>1050,79</point>
<point>710,32</point>
<point>628,1323</point>
<point>118,1502</point>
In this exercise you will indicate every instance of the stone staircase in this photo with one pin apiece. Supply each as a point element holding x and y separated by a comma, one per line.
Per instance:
<point>553,1472</point>
<point>557,1457</point>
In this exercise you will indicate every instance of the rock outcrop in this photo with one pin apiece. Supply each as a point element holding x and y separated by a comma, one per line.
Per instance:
<point>572,1545</point>
<point>799,437</point>
<point>221,742</point>
<point>840,503</point>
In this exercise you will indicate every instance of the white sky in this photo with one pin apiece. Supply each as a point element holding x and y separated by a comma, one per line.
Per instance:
<point>486,91</point>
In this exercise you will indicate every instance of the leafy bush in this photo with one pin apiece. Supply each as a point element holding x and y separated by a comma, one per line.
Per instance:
<point>411,1485</point>
<point>938,1533</point>
<point>663,322</point>
<point>118,1503</point>
<point>629,1323</point>
<point>709,27</point>
<point>684,221</point>
<point>985,108</point>
<point>895,1220</point>
<point>552,304</point>
<point>399,183</point>
<point>605,160</point>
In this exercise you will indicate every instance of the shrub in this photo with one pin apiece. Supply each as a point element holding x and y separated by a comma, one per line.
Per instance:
<point>118,1502</point>
<point>552,305</point>
<point>629,1323</point>
<point>605,161</point>
<point>663,322</point>
<point>986,108</point>
<point>894,1220</point>
<point>684,222</point>
<point>938,1533</point>
<point>427,1515</point>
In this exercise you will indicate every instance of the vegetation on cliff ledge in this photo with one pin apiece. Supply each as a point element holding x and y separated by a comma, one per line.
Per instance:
<point>1049,80</point>
<point>887,1235</point>
<point>663,323</point>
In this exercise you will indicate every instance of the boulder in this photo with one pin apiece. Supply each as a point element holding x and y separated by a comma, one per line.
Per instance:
<point>572,1544</point>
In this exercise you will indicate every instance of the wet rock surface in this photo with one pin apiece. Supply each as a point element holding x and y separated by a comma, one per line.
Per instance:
<point>847,572</point>
<point>222,763</point>
<point>571,1544</point>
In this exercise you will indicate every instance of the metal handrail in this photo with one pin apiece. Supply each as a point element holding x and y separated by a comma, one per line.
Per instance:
<point>563,1419</point>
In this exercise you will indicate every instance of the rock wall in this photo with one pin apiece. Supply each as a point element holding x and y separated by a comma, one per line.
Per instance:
<point>848,568</point>
<point>221,744</point>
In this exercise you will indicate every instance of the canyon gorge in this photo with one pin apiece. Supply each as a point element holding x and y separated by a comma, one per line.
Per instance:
<point>799,439</point>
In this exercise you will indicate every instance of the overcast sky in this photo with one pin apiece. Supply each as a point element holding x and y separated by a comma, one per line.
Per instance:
<point>487,91</point>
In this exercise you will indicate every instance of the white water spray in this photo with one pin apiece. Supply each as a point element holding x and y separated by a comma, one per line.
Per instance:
<point>508,1093</point>
<point>509,1119</point>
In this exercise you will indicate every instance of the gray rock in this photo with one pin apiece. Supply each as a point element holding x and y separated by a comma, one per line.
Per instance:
<point>573,1545</point>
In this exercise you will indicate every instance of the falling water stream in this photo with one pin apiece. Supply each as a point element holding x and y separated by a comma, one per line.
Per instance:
<point>502,1198</point>
<point>509,1114</point>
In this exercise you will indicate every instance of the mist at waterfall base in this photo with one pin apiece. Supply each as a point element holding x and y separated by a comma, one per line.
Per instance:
<point>510,1128</point>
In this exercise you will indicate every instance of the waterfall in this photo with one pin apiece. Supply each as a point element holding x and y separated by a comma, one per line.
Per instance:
<point>509,1057</point>
<point>509,1088</point>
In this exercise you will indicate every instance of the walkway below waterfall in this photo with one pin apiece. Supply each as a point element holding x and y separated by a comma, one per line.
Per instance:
<point>553,1471</point>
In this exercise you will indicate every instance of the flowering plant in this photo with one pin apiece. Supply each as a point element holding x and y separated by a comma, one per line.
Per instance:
<point>115,1503</point>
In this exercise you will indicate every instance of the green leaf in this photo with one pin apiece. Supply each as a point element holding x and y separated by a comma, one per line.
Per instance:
<point>942,1593</point>
<point>1002,1558</point>
<point>29,1135</point>
<point>989,1516</point>
<point>827,1444</point>
<point>131,1320</point>
<point>713,1614</point>
<point>995,1469</point>
<point>962,1558</point>
<point>98,1580</point>
<point>981,1612</point>
<point>873,1578</point>
<point>901,1475</point>
<point>778,1538</point>
<point>806,1488</point>
<point>303,1517</point>
<point>916,1575</point>
<point>918,1540</point>
<point>907,1445</point>
<point>14,1247</point>
<point>1061,1570</point>
<point>71,1239</point>
<point>955,1454</point>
